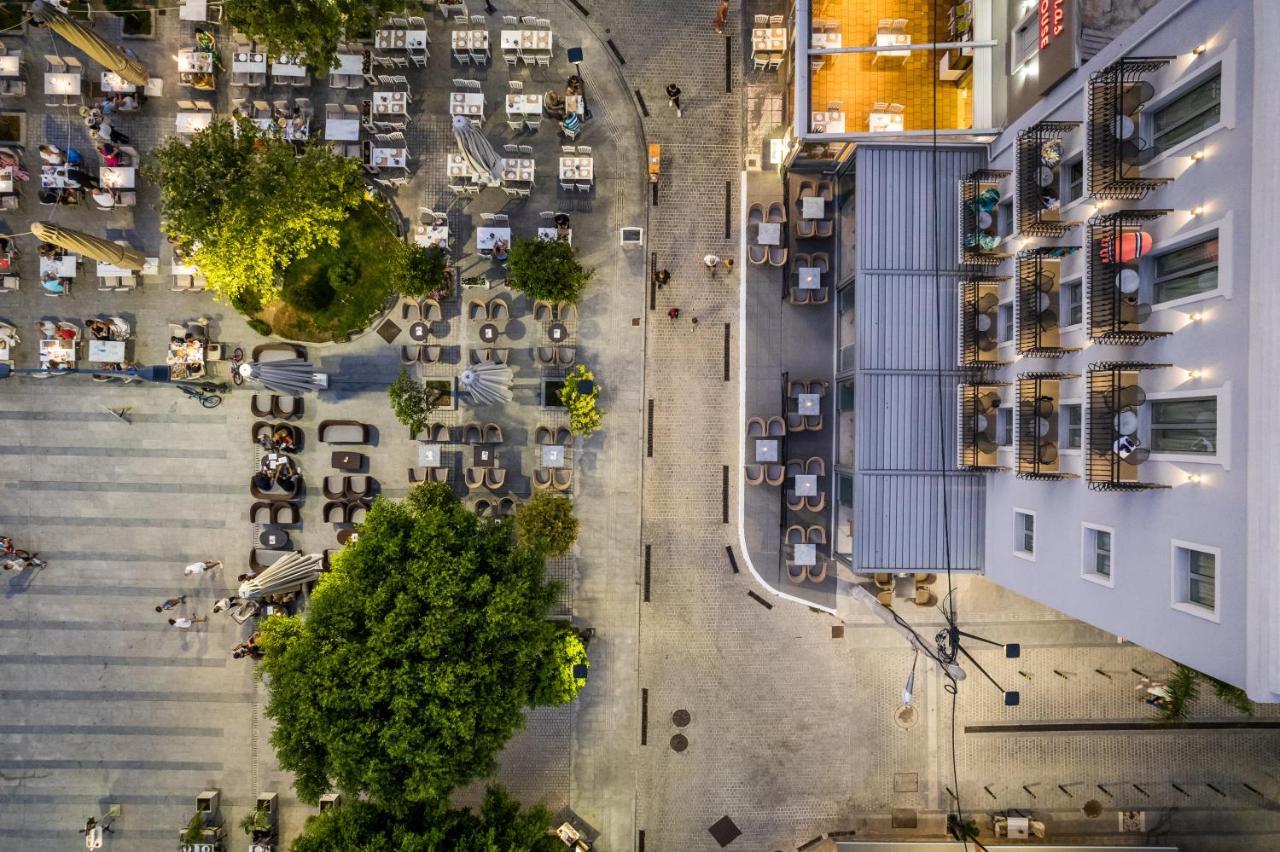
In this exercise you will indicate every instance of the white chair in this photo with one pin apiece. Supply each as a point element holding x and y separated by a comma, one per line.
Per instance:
<point>510,21</point>
<point>567,187</point>
<point>529,21</point>
<point>585,150</point>
<point>526,150</point>
<point>479,58</point>
<point>533,124</point>
<point>462,58</point>
<point>568,149</point>
<point>515,125</point>
<point>511,57</point>
<point>478,20</point>
<point>516,86</point>
<point>544,60</point>
<point>513,150</point>
<point>418,23</point>
<point>776,20</point>
<point>760,61</point>
<point>761,21</point>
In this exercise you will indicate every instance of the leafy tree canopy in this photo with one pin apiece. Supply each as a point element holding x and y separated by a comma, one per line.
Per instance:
<point>500,826</point>
<point>412,401</point>
<point>545,523</point>
<point>585,413</point>
<point>557,683</point>
<point>546,269</point>
<point>416,656</point>
<point>312,28</point>
<point>242,205</point>
<point>427,272</point>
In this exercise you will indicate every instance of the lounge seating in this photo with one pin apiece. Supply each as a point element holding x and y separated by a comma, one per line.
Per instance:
<point>286,407</point>
<point>474,477</point>
<point>755,474</point>
<point>818,571</point>
<point>566,355</point>
<point>476,308</point>
<point>285,515</point>
<point>816,503</point>
<point>419,474</point>
<point>794,534</point>
<point>260,405</point>
<point>481,507</point>
<point>816,466</point>
<point>543,310</point>
<point>545,355</point>
<point>261,557</point>
<point>495,477</point>
<point>777,428</point>
<point>408,355</point>
<point>541,478</point>
<point>796,573</point>
<point>774,474</point>
<point>343,432</point>
<point>542,435</point>
<point>471,433</point>
<point>506,506</point>
<point>410,310</point>
<point>492,433</point>
<point>795,422</point>
<point>358,487</point>
<point>757,253</point>
<point>431,310</point>
<point>263,428</point>
<point>260,512</point>
<point>429,354</point>
<point>278,352</point>
<point>335,512</point>
<point>794,503</point>
<point>356,513</point>
<point>334,487</point>
<point>817,534</point>
<point>564,436</point>
<point>755,427</point>
<point>277,492</point>
<point>562,478</point>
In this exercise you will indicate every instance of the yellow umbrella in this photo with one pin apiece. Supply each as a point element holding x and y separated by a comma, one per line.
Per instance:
<point>98,48</point>
<point>125,257</point>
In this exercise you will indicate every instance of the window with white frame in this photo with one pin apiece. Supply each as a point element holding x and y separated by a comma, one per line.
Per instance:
<point>1004,426</point>
<point>1024,41</point>
<point>1195,578</point>
<point>1192,112</point>
<point>1184,425</point>
<point>1024,534</point>
<point>1095,554</point>
<point>1186,270</point>
<point>1073,180</point>
<point>1069,426</point>
<point>1004,219</point>
<point>1071,302</point>
<point>1004,322</point>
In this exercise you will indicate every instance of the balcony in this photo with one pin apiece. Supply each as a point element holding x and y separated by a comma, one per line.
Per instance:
<point>1116,245</point>
<point>1117,152</point>
<point>979,322</point>
<point>1039,397</point>
<point>978,405</point>
<point>1116,400</point>
<point>979,218</point>
<point>1040,302</point>
<point>1038,185</point>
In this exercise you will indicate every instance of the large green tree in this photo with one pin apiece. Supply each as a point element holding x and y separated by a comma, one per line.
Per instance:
<point>546,269</point>
<point>416,657</point>
<point>242,205</point>
<point>500,826</point>
<point>311,28</point>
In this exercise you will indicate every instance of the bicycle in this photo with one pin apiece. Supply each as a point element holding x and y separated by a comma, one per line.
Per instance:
<point>204,393</point>
<point>21,560</point>
<point>237,358</point>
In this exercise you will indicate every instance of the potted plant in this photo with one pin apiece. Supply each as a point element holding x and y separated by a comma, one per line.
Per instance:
<point>428,272</point>
<point>581,396</point>
<point>194,831</point>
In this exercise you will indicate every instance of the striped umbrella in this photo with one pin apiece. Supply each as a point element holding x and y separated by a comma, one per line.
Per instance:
<point>288,573</point>
<point>112,57</point>
<point>476,148</point>
<point>486,383</point>
<point>98,248</point>
<point>291,376</point>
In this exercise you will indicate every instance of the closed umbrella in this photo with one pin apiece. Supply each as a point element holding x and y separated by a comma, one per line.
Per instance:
<point>98,248</point>
<point>112,57</point>
<point>288,573</point>
<point>473,145</point>
<point>291,376</point>
<point>486,383</point>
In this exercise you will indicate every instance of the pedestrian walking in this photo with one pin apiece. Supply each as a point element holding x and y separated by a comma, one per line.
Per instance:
<point>694,320</point>
<point>721,17</point>
<point>184,623</point>
<point>673,98</point>
<point>728,264</point>
<point>712,262</point>
<point>674,313</point>
<point>661,277</point>
<point>171,603</point>
<point>201,567</point>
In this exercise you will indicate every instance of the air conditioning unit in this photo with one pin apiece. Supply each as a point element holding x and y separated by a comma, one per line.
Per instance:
<point>632,236</point>
<point>1133,822</point>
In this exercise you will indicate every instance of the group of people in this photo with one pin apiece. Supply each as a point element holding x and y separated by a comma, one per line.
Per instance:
<point>15,559</point>
<point>276,467</point>
<point>557,107</point>
<point>249,648</point>
<point>76,181</point>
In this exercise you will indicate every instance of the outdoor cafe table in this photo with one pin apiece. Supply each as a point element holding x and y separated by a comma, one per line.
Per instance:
<point>117,177</point>
<point>106,351</point>
<point>390,103</point>
<point>810,277</point>
<point>342,129</point>
<point>192,122</point>
<point>769,234</point>
<point>458,166</point>
<point>193,10</point>
<point>6,180</point>
<point>462,40</point>
<point>766,449</point>
<point>288,66</point>
<point>431,235</point>
<point>891,40</point>
<point>806,485</point>
<point>398,39</point>
<point>428,455</point>
<point>195,61</point>
<point>517,169</point>
<point>294,133</point>
<point>524,105</point>
<point>467,103</point>
<point>552,455</point>
<point>54,177</point>
<point>388,158</point>
<point>351,64</point>
<point>804,554</point>
<point>249,63</point>
<point>113,82</point>
<point>556,234</point>
<point>885,122</point>
<point>57,351</point>
<point>11,65</point>
<point>526,40</point>
<point>827,122</point>
<point>482,456</point>
<point>486,237</point>
<point>769,40</point>
<point>577,168</point>
<point>556,332</point>
<point>64,83</point>
<point>808,404</point>
<point>63,266</point>
<point>813,207</point>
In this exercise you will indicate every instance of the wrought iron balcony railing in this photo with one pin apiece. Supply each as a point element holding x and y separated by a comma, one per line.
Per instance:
<point>1040,309</point>
<point>1039,397</point>
<point>1116,245</point>
<point>979,316</point>
<point>1116,149</point>
<point>1038,181</point>
<point>1114,457</point>
<point>979,218</point>
<point>978,404</point>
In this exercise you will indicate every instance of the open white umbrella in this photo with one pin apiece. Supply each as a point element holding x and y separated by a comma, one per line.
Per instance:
<point>486,383</point>
<point>288,573</point>
<point>291,376</point>
<point>473,145</point>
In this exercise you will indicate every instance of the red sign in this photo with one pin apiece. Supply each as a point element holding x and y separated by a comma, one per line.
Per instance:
<point>1052,18</point>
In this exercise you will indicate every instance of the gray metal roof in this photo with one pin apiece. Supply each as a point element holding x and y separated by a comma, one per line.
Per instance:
<point>906,364</point>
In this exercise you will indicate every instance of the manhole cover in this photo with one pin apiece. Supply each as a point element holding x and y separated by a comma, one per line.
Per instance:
<point>905,716</point>
<point>1093,809</point>
<point>906,782</point>
<point>680,718</point>
<point>837,631</point>
<point>679,742</point>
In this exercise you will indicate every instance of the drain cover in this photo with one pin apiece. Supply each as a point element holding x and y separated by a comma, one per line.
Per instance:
<point>905,716</point>
<point>680,718</point>
<point>679,742</point>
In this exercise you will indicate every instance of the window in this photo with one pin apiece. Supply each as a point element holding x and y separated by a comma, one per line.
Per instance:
<point>1186,271</point>
<point>1069,427</point>
<point>1195,579</point>
<point>1004,426</point>
<point>1187,115</point>
<point>1185,425</point>
<point>1073,180</point>
<point>1024,534</point>
<point>1004,218</point>
<point>1024,41</point>
<point>1096,554</point>
<point>1005,322</point>
<point>1071,302</point>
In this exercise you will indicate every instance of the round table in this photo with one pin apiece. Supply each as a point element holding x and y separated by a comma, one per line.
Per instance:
<point>1123,127</point>
<point>419,331</point>
<point>1126,423</point>
<point>557,332</point>
<point>1128,280</point>
<point>488,332</point>
<point>1044,176</point>
<point>274,539</point>
<point>982,322</point>
<point>984,220</point>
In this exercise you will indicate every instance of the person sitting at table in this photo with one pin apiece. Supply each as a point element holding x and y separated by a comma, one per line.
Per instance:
<point>82,179</point>
<point>574,85</point>
<point>47,329</point>
<point>52,154</point>
<point>53,284</point>
<point>104,198</point>
<point>98,329</point>
<point>553,104</point>
<point>208,44</point>
<point>500,249</point>
<point>562,223</point>
<point>109,154</point>
<point>262,482</point>
<point>282,439</point>
<point>11,162</point>
<point>571,123</point>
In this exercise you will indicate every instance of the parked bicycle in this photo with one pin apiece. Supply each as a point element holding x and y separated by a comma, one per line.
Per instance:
<point>20,560</point>
<point>205,393</point>
<point>237,358</point>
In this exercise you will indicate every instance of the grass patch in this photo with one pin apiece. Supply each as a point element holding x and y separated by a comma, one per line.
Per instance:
<point>333,292</point>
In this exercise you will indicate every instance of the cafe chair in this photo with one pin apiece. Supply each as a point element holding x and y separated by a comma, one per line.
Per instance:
<point>492,433</point>
<point>419,474</point>
<point>794,534</point>
<point>817,534</point>
<point>474,477</point>
<point>562,478</point>
<point>774,474</point>
<point>541,478</point>
<point>545,356</point>
<point>794,503</point>
<point>495,477</point>
<point>755,427</point>
<point>335,487</point>
<point>429,354</point>
<point>755,474</point>
<point>408,355</point>
<point>816,466</point>
<point>796,573</point>
<point>776,427</point>
<point>261,405</point>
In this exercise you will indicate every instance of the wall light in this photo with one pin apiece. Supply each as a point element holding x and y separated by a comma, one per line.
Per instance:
<point>1197,156</point>
<point>1194,374</point>
<point>1193,477</point>
<point>1195,317</point>
<point>1197,211</point>
<point>1199,49</point>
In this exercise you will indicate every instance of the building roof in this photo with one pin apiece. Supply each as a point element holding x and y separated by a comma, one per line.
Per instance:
<point>905,417</point>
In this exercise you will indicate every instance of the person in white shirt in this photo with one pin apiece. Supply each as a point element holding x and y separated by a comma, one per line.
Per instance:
<point>103,197</point>
<point>201,567</point>
<point>184,623</point>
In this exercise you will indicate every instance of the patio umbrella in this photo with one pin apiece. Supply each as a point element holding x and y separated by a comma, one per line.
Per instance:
<point>486,383</point>
<point>98,248</point>
<point>292,376</point>
<point>476,148</point>
<point>112,57</point>
<point>286,574</point>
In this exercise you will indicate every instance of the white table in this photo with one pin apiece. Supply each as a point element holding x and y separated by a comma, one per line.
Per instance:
<point>54,177</point>
<point>808,404</point>
<point>827,122</point>
<point>351,64</point>
<point>813,207</point>
<point>766,449</point>
<point>486,237</point>
<point>891,40</point>
<point>61,267</point>
<point>62,83</point>
<point>805,554</point>
<point>428,455</point>
<point>113,82</point>
<point>184,268</point>
<point>825,40</point>
<point>388,158</point>
<point>806,485</point>
<point>6,180</point>
<point>552,455</point>
<point>431,235</point>
<point>554,234</point>
<point>769,234</point>
<point>106,351</point>
<point>342,129</point>
<point>11,65</point>
<point>390,103</point>
<point>467,103</point>
<point>193,10</point>
<point>465,40</point>
<point>288,66</point>
<point>769,40</point>
<point>517,169</point>
<point>195,61</point>
<point>524,105</point>
<point>577,168</point>
<point>294,133</point>
<point>526,40</point>
<point>810,277</point>
<point>58,351</point>
<point>117,177</point>
<point>458,166</point>
<point>110,270</point>
<point>573,103</point>
<point>249,63</point>
<point>192,122</point>
<point>885,122</point>
<point>398,39</point>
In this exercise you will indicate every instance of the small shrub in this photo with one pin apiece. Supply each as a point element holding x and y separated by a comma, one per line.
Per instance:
<point>556,682</point>
<point>585,414</point>
<point>343,274</point>
<point>260,326</point>
<point>246,302</point>
<point>427,272</point>
<point>412,401</point>
<point>545,523</point>
<point>546,269</point>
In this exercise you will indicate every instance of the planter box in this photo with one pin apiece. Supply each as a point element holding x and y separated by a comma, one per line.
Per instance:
<point>208,803</point>
<point>330,801</point>
<point>551,393</point>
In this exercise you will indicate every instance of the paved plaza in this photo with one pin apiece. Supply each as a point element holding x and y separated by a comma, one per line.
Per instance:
<point>791,731</point>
